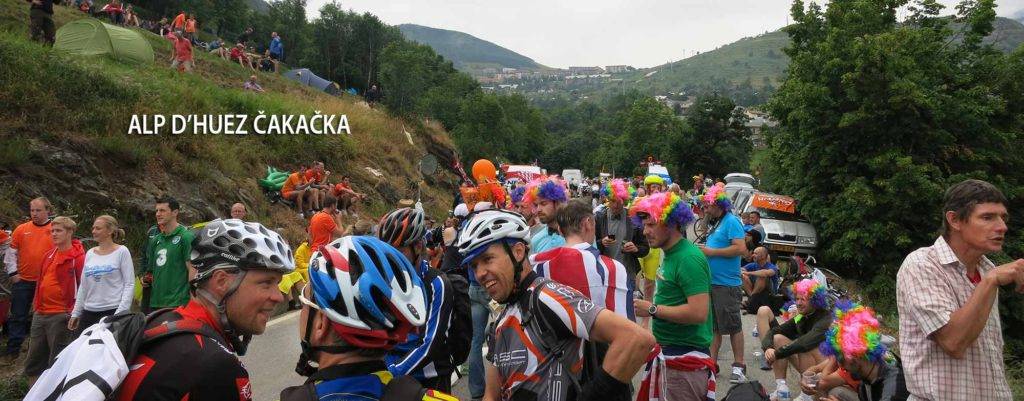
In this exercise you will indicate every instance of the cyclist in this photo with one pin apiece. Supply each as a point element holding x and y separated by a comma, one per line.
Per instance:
<point>424,355</point>
<point>238,266</point>
<point>535,345</point>
<point>363,299</point>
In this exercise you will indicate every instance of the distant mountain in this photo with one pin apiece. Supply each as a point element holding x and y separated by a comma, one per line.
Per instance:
<point>469,53</point>
<point>1019,15</point>
<point>761,58</point>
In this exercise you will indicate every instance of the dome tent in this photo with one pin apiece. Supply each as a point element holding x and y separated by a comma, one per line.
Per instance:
<point>89,36</point>
<point>307,77</point>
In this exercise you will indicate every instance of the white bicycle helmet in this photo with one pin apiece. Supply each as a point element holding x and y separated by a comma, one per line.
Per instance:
<point>486,227</point>
<point>368,289</point>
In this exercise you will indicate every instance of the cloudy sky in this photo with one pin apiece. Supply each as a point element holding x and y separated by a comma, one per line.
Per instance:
<point>560,33</point>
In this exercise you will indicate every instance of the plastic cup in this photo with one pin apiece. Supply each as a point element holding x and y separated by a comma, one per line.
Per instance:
<point>811,379</point>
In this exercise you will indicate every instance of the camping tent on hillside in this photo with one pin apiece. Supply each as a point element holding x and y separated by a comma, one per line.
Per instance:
<point>307,77</point>
<point>91,37</point>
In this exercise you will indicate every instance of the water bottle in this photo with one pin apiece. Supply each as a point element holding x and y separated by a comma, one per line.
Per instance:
<point>784,394</point>
<point>759,357</point>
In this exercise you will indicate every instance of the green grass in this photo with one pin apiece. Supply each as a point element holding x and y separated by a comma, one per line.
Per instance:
<point>84,105</point>
<point>1015,375</point>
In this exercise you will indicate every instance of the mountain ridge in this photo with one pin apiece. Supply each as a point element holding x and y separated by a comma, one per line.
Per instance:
<point>467,52</point>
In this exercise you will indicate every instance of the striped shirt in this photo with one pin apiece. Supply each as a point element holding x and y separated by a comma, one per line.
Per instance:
<point>932,284</point>
<point>581,266</point>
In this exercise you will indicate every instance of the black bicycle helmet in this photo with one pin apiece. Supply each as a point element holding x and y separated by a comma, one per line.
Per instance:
<point>402,227</point>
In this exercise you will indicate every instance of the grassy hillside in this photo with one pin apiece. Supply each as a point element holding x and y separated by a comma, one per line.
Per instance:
<point>469,53</point>
<point>761,57</point>
<point>63,134</point>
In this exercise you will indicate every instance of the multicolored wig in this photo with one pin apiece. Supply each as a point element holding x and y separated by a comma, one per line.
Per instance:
<point>618,189</point>
<point>664,207</point>
<point>517,194</point>
<point>551,188</point>
<point>716,194</point>
<point>854,334</point>
<point>816,293</point>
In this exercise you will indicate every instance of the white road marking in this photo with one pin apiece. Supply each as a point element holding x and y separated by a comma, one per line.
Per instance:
<point>286,316</point>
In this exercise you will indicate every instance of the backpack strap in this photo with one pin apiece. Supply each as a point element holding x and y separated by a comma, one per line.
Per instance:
<point>172,328</point>
<point>539,325</point>
<point>403,388</point>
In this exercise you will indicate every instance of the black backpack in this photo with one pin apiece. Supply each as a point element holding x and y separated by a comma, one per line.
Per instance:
<point>460,328</point>
<point>747,391</point>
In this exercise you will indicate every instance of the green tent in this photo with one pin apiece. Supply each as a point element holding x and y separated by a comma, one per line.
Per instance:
<point>90,37</point>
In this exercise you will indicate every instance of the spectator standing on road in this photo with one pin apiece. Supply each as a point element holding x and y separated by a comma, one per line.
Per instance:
<point>724,247</point>
<point>618,237</point>
<point>108,278</point>
<point>950,334</point>
<point>546,194</point>
<point>681,310</point>
<point>60,273</point>
<point>166,266</point>
<point>30,243</point>
<point>755,225</point>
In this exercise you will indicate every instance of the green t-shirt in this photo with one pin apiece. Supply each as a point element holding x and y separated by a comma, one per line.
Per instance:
<point>166,255</point>
<point>684,273</point>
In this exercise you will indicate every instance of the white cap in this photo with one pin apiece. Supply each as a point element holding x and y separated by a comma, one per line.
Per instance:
<point>461,210</point>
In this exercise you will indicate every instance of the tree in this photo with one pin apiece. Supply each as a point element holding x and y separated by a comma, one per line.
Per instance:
<point>878,117</point>
<point>715,140</point>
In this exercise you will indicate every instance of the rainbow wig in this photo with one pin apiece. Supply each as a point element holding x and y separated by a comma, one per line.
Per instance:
<point>664,207</point>
<point>854,334</point>
<point>816,293</point>
<point>551,188</point>
<point>716,194</point>
<point>517,194</point>
<point>618,189</point>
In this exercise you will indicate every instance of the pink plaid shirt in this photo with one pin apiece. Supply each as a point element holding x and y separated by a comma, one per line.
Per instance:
<point>931,284</point>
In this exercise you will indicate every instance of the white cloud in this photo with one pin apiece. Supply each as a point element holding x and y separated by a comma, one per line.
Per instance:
<point>561,33</point>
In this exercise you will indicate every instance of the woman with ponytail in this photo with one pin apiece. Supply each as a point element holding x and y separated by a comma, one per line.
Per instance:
<point>108,279</point>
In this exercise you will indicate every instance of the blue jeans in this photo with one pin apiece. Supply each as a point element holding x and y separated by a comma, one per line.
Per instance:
<point>478,300</point>
<point>22,293</point>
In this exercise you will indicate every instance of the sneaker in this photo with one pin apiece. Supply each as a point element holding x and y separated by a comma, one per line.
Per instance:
<point>739,374</point>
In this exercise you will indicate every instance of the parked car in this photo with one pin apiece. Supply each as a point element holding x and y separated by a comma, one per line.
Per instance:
<point>734,182</point>
<point>787,232</point>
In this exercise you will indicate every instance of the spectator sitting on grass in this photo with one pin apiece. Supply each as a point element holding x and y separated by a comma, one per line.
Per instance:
<point>267,62</point>
<point>217,47</point>
<point>238,54</point>
<point>252,85</point>
<point>85,6</point>
<point>130,18</point>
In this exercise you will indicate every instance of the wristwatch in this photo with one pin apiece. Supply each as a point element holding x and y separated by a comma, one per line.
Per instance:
<point>653,310</point>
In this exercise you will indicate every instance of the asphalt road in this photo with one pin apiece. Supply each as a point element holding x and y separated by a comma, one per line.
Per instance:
<point>272,356</point>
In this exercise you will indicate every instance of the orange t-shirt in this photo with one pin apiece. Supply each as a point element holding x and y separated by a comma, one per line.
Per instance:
<point>52,299</point>
<point>313,176</point>
<point>293,180</point>
<point>179,21</point>
<point>32,243</point>
<point>321,229</point>
<point>190,26</point>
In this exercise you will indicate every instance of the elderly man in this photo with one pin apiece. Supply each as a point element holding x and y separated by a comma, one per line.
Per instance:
<point>761,281</point>
<point>238,211</point>
<point>950,334</point>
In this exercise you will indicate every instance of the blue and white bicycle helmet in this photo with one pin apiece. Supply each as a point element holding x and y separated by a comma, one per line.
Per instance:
<point>368,290</point>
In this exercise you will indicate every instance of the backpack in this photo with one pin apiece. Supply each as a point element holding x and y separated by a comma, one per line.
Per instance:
<point>402,388</point>
<point>460,327</point>
<point>747,391</point>
<point>93,366</point>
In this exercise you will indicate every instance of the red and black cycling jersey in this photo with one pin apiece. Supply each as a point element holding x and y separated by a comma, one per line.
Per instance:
<point>188,366</point>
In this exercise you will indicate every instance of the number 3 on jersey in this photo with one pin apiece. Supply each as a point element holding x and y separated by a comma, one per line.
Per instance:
<point>161,257</point>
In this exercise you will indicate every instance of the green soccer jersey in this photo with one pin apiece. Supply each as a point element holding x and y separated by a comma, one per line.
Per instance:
<point>684,273</point>
<point>166,255</point>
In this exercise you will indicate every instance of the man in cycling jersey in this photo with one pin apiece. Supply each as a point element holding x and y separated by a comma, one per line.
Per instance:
<point>363,299</point>
<point>425,355</point>
<point>535,345</point>
<point>234,292</point>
